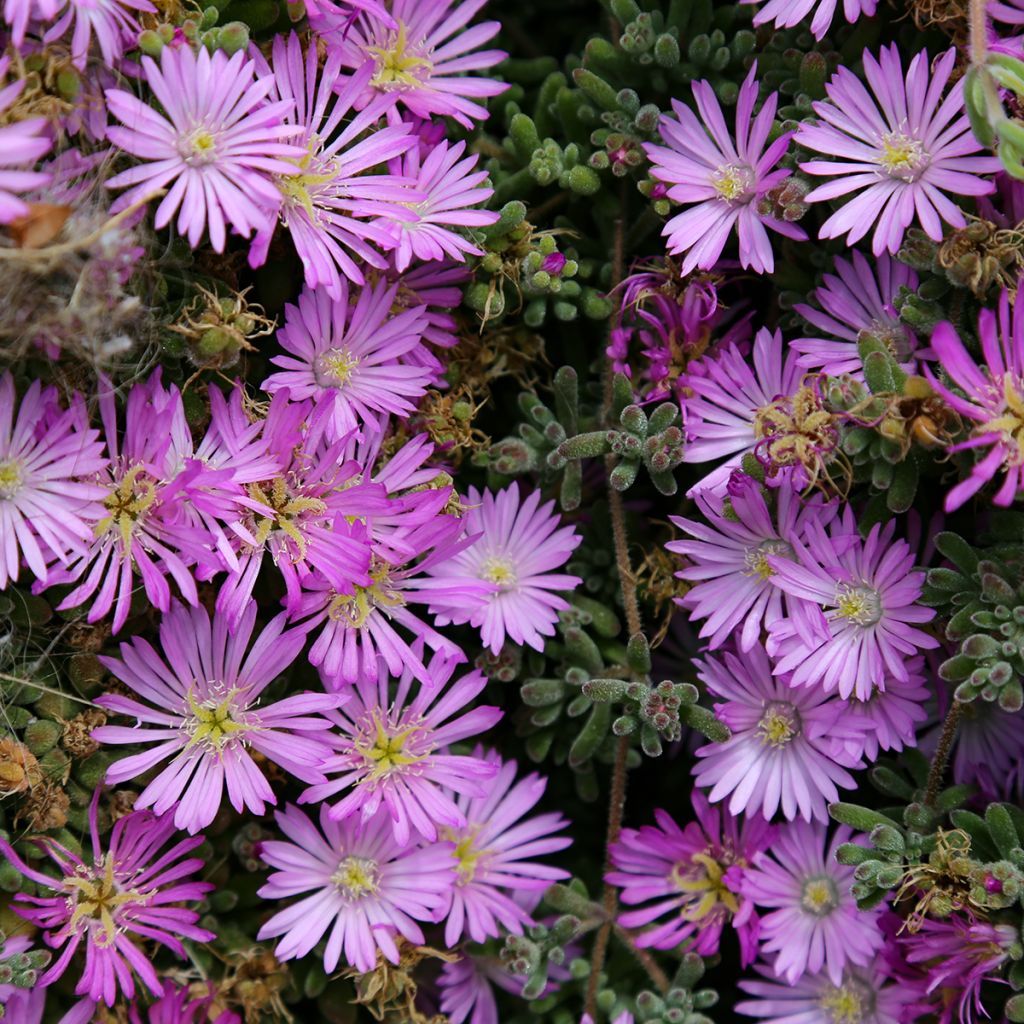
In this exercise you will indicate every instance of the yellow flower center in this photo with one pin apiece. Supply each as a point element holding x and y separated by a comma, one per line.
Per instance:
<point>287,511</point>
<point>733,182</point>
<point>127,503</point>
<point>1010,423</point>
<point>845,1005</point>
<point>703,877</point>
<point>819,896</point>
<point>335,367</point>
<point>859,605</point>
<point>757,558</point>
<point>901,156</point>
<point>357,877</point>
<point>398,67</point>
<point>354,609</point>
<point>198,147</point>
<point>496,569</point>
<point>96,896</point>
<point>466,853</point>
<point>386,753</point>
<point>780,724</point>
<point>211,724</point>
<point>297,189</point>
<point>11,479</point>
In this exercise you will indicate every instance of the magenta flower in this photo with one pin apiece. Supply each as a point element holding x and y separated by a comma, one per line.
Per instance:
<point>109,21</point>
<point>391,752</point>
<point>789,13</point>
<point>858,299</point>
<point>202,712</point>
<point>517,547</point>
<point>790,746</point>
<point>124,896</point>
<point>814,923</point>
<point>330,205</point>
<point>450,187</point>
<point>867,995</point>
<point>992,399</point>
<point>177,1006</point>
<point>22,143</point>
<point>495,851</point>
<point>725,416</point>
<point>900,149</point>
<point>366,889</point>
<point>691,876</point>
<point>350,359</point>
<point>728,558</point>
<point>48,500</point>
<point>857,623</point>
<point>725,178</point>
<point>215,147</point>
<point>420,59</point>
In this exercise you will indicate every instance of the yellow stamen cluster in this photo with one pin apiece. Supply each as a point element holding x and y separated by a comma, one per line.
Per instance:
<point>198,147</point>
<point>732,182</point>
<point>501,571</point>
<point>1011,421</point>
<point>385,752</point>
<point>287,509</point>
<point>901,156</point>
<point>466,852</point>
<point>11,479</point>
<point>357,877</point>
<point>212,724</point>
<point>844,1005</point>
<point>796,431</point>
<point>780,724</point>
<point>127,503</point>
<point>96,896</point>
<point>859,605</point>
<point>354,609</point>
<point>396,67</point>
<point>757,558</point>
<point>703,877</point>
<point>819,896</point>
<point>335,367</point>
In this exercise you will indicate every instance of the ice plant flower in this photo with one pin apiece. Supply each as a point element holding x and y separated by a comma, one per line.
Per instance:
<point>330,205</point>
<point>519,545</point>
<point>689,879</point>
<point>992,399</point>
<point>110,22</point>
<point>858,623</point>
<point>202,712</point>
<point>124,897</point>
<point>901,149</point>
<point>989,751</point>
<point>391,751</point>
<point>857,301</point>
<point>494,854</point>
<point>893,714</point>
<point>789,13</point>
<point>419,60</point>
<point>864,995</point>
<point>350,358</point>
<point>790,747</point>
<point>449,188</point>
<point>365,888</point>
<point>19,14</point>
<point>22,143</point>
<point>814,923</point>
<point>725,177</point>
<point>48,498</point>
<point>215,147</point>
<point>177,1005</point>
<point>728,558</point>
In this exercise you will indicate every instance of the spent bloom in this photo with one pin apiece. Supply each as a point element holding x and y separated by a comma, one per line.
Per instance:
<point>391,751</point>
<point>125,897</point>
<point>215,148</point>
<point>495,851</point>
<point>855,301</point>
<point>858,621</point>
<point>202,712</point>
<point>519,545</point>
<point>727,557</point>
<point>814,923</point>
<point>419,60</point>
<point>48,499</point>
<point>689,878</point>
<point>901,150</point>
<point>365,889</point>
<point>789,13</point>
<point>350,358</point>
<point>722,179</point>
<point>790,746</point>
<point>992,398</point>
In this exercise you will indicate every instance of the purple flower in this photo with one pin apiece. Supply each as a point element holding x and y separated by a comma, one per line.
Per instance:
<point>330,205</point>
<point>857,624</point>
<point>893,714</point>
<point>391,751</point>
<point>726,179</point>
<point>365,888</point>
<point>494,853</point>
<point>789,13</point>
<point>350,358</point>
<point>125,895</point>
<point>48,501</point>
<point>108,20</point>
<point>865,995</point>
<point>177,1006</point>
<point>203,712</point>
<point>901,149</point>
<point>814,923</point>
<point>858,300</point>
<point>215,147</point>
<point>992,399</point>
<point>419,59</point>
<point>989,751</point>
<point>728,557</point>
<point>790,746</point>
<point>517,547</point>
<point>449,187</point>
<point>20,13</point>
<point>693,877</point>
<point>22,143</point>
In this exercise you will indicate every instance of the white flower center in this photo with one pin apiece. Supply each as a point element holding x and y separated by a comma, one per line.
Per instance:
<point>199,147</point>
<point>496,569</point>
<point>779,725</point>
<point>902,157</point>
<point>734,183</point>
<point>757,557</point>
<point>850,1003</point>
<point>11,479</point>
<point>335,367</point>
<point>357,877</point>
<point>861,605</point>
<point>819,896</point>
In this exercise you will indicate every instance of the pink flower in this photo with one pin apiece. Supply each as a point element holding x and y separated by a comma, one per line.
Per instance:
<point>901,149</point>
<point>20,13</point>
<point>108,20</point>
<point>215,147</point>
<point>124,896</point>
<point>203,712</point>
<point>22,143</point>
<point>519,544</point>
<point>366,889</point>
<point>789,13</point>
<point>726,179</point>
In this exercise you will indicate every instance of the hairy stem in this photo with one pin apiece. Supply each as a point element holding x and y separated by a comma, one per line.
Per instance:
<point>660,979</point>
<point>938,767</point>
<point>978,29</point>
